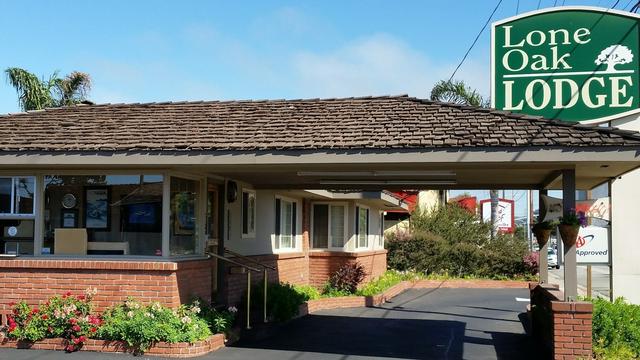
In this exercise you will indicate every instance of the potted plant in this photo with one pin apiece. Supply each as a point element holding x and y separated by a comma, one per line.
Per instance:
<point>542,232</point>
<point>570,226</point>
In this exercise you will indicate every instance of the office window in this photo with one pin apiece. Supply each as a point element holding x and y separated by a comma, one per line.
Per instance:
<point>328,226</point>
<point>362,227</point>
<point>16,195</point>
<point>248,214</point>
<point>286,215</point>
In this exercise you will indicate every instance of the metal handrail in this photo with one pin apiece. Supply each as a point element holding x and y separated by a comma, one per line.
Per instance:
<point>233,262</point>
<point>249,259</point>
<point>248,286</point>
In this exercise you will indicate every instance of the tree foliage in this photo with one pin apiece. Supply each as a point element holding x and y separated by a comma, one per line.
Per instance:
<point>36,94</point>
<point>450,240</point>
<point>457,92</point>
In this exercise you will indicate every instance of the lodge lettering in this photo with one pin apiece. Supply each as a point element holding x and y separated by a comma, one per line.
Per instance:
<point>539,73</point>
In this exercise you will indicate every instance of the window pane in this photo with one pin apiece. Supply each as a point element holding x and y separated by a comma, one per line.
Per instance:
<point>252,213</point>
<point>5,195</point>
<point>16,237</point>
<point>184,224</point>
<point>120,214</point>
<point>24,190</point>
<point>320,226</point>
<point>248,213</point>
<point>362,227</point>
<point>337,226</point>
<point>286,225</point>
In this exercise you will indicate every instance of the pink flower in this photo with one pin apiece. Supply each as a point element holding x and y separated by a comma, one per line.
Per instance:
<point>82,338</point>
<point>75,328</point>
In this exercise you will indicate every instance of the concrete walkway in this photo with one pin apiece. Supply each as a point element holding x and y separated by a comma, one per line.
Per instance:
<point>418,324</point>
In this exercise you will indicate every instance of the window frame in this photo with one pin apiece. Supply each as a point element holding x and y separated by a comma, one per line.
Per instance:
<point>278,227</point>
<point>356,221</point>
<point>381,229</point>
<point>12,215</point>
<point>249,234</point>
<point>345,235</point>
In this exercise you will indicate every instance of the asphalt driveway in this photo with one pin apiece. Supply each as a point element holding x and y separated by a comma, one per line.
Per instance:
<point>418,324</point>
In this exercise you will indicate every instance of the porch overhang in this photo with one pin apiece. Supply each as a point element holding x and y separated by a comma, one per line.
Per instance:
<point>365,169</point>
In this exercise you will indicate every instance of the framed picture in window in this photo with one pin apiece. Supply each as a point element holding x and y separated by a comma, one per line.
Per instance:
<point>96,208</point>
<point>69,218</point>
<point>184,210</point>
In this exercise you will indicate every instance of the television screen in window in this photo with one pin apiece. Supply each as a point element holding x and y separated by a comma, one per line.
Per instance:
<point>142,217</point>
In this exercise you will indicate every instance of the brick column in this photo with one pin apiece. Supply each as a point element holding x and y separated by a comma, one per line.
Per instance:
<point>572,328</point>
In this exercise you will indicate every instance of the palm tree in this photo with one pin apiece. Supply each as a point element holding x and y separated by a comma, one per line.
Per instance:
<point>458,92</point>
<point>36,94</point>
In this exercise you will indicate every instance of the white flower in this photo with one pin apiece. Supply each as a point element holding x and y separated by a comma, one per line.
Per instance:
<point>156,306</point>
<point>148,314</point>
<point>57,314</point>
<point>195,309</point>
<point>186,320</point>
<point>232,309</point>
<point>89,292</point>
<point>130,314</point>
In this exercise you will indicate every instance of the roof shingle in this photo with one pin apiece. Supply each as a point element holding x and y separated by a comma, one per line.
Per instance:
<point>349,123</point>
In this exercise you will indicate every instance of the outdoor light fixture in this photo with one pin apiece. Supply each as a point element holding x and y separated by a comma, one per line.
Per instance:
<point>382,173</point>
<point>388,182</point>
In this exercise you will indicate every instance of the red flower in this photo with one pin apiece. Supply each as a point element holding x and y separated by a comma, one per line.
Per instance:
<point>70,348</point>
<point>76,341</point>
<point>12,304</point>
<point>44,317</point>
<point>80,297</point>
<point>73,321</point>
<point>75,328</point>
<point>93,330</point>
<point>82,338</point>
<point>12,327</point>
<point>35,311</point>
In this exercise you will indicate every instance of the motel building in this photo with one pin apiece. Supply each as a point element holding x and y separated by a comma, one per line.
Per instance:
<point>132,198</point>
<point>167,201</point>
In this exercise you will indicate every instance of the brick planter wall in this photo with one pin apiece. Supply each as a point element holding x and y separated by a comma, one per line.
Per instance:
<point>169,283</point>
<point>175,350</point>
<point>563,329</point>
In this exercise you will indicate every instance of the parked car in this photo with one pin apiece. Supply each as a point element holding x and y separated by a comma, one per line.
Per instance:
<point>552,258</point>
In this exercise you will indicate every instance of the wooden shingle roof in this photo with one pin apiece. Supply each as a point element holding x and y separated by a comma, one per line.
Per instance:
<point>350,123</point>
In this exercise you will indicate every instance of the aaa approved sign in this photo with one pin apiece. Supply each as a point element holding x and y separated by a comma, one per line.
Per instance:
<point>592,246</point>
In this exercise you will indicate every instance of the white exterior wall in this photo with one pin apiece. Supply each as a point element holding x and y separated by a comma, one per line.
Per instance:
<point>625,251</point>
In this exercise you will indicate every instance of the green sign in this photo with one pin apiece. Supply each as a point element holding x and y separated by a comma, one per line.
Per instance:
<point>571,64</point>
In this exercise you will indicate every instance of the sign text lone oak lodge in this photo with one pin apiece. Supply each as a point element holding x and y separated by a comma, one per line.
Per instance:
<point>572,64</point>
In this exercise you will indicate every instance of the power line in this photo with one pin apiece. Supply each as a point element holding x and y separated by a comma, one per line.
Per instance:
<point>518,7</point>
<point>627,4</point>
<point>475,40</point>
<point>538,8</point>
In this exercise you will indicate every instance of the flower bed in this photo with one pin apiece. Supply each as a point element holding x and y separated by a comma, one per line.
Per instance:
<point>67,323</point>
<point>180,350</point>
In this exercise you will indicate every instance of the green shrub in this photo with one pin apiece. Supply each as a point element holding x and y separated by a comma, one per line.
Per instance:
<point>347,278</point>
<point>283,300</point>
<point>450,240</point>
<point>308,291</point>
<point>140,326</point>
<point>220,321</point>
<point>384,282</point>
<point>329,291</point>
<point>616,329</point>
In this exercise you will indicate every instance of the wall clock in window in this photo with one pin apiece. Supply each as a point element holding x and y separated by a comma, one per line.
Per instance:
<point>69,201</point>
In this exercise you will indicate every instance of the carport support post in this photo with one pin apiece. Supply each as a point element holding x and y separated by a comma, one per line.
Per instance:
<point>543,261</point>
<point>570,265</point>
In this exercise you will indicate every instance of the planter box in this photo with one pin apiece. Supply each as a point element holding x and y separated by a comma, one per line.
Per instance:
<point>176,350</point>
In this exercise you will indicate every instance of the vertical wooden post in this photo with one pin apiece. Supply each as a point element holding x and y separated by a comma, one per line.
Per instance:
<point>589,290</point>
<point>248,299</point>
<point>266,278</point>
<point>543,261</point>
<point>570,261</point>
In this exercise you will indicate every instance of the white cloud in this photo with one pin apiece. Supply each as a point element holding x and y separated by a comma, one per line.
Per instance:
<point>377,65</point>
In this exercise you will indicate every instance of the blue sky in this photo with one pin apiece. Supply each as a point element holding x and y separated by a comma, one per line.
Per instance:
<point>141,51</point>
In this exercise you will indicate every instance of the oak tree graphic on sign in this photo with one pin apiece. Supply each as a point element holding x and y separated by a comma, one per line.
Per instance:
<point>614,55</point>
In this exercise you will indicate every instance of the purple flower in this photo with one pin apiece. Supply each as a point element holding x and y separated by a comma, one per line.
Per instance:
<point>582,218</point>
